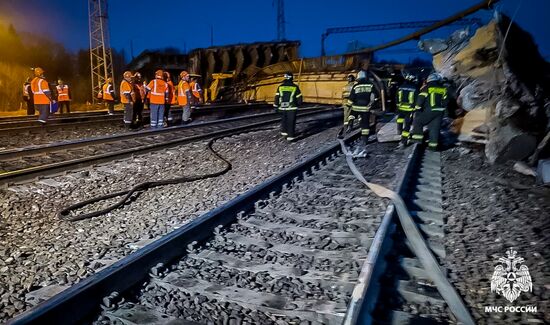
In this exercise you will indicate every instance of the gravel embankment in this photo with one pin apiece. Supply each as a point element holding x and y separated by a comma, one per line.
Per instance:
<point>38,250</point>
<point>487,216</point>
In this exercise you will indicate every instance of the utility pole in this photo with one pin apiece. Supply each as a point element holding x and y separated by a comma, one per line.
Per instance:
<point>101,56</point>
<point>280,20</point>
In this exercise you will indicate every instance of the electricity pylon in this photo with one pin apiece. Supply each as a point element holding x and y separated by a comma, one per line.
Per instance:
<point>101,57</point>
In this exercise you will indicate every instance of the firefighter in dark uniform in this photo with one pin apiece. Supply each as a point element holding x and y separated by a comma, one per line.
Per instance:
<point>287,99</point>
<point>430,108</point>
<point>361,98</point>
<point>406,99</point>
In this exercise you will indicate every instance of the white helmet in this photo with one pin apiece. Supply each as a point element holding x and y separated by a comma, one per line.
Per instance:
<point>361,74</point>
<point>434,77</point>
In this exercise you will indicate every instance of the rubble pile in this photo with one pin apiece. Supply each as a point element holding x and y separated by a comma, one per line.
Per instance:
<point>503,85</point>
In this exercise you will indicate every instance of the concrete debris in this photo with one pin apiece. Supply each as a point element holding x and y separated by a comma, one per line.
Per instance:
<point>502,84</point>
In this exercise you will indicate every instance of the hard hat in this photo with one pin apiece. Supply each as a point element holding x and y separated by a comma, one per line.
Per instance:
<point>410,77</point>
<point>137,75</point>
<point>184,74</point>
<point>109,80</point>
<point>434,77</point>
<point>59,81</point>
<point>38,72</point>
<point>351,77</point>
<point>28,79</point>
<point>159,74</point>
<point>127,75</point>
<point>288,75</point>
<point>166,75</point>
<point>361,74</point>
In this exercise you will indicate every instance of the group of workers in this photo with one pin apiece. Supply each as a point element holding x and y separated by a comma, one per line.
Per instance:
<point>418,106</point>
<point>39,97</point>
<point>160,94</point>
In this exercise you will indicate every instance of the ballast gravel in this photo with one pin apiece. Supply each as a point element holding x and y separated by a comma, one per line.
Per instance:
<point>41,254</point>
<point>489,210</point>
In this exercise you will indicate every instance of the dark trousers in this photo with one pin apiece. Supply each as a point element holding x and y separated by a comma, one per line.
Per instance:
<point>44,111</point>
<point>137,114</point>
<point>110,106</point>
<point>167,113</point>
<point>66,104</point>
<point>30,107</point>
<point>288,123</point>
<point>364,123</point>
<point>404,122</point>
<point>128,114</point>
<point>429,118</point>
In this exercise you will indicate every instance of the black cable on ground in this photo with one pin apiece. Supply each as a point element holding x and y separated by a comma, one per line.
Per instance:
<point>64,214</point>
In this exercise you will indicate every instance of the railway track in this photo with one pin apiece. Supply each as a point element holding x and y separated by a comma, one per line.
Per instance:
<point>309,246</point>
<point>288,251</point>
<point>28,124</point>
<point>27,163</point>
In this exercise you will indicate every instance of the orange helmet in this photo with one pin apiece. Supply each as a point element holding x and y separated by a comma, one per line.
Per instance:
<point>38,72</point>
<point>127,75</point>
<point>159,74</point>
<point>184,74</point>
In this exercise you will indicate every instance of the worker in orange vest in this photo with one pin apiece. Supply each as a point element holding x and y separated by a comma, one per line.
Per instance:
<point>42,95</point>
<point>184,97</point>
<point>158,96</point>
<point>63,96</point>
<point>126,89</point>
<point>196,91</point>
<point>139,94</point>
<point>28,96</point>
<point>167,112</point>
<point>108,95</point>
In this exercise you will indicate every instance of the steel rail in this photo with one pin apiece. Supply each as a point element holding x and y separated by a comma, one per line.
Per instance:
<point>82,301</point>
<point>54,168</point>
<point>75,121</point>
<point>35,150</point>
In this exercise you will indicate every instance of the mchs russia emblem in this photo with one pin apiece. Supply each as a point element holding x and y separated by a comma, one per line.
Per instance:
<point>511,277</point>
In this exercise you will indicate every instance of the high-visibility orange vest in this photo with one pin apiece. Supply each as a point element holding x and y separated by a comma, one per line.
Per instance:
<point>63,93</point>
<point>125,89</point>
<point>196,90</point>
<point>158,90</point>
<point>171,93</point>
<point>38,87</point>
<point>107,92</point>
<point>183,90</point>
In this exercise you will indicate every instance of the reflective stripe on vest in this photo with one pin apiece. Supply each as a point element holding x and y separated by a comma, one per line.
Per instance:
<point>433,93</point>
<point>183,90</point>
<point>287,105</point>
<point>63,93</point>
<point>158,95</point>
<point>39,88</point>
<point>107,92</point>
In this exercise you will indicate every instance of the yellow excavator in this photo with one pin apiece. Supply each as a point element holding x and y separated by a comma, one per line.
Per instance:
<point>211,93</point>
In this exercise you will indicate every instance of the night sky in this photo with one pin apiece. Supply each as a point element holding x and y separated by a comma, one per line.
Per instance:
<point>186,24</point>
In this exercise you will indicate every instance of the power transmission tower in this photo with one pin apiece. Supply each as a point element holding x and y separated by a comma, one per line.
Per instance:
<point>280,20</point>
<point>101,56</point>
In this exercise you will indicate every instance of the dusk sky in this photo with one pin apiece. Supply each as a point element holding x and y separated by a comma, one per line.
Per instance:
<point>186,24</point>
